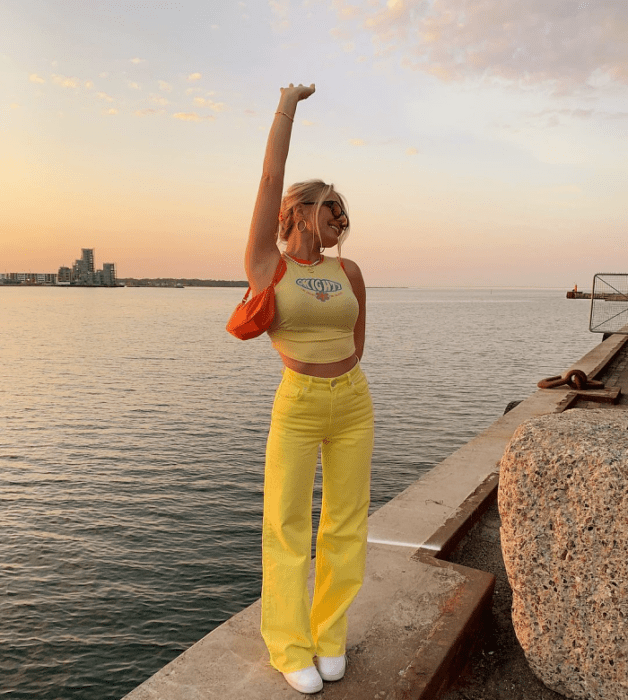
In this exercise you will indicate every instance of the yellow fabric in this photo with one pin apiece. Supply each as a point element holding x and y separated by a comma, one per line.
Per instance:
<point>315,313</point>
<point>336,414</point>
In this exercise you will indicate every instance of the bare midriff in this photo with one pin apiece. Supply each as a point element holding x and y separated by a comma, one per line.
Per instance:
<point>332,369</point>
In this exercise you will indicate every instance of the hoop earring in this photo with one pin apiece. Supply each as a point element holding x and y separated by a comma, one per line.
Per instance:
<point>301,221</point>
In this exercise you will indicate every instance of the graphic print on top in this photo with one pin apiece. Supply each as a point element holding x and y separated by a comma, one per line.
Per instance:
<point>322,288</point>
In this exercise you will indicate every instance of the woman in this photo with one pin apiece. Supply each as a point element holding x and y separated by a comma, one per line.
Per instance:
<point>323,400</point>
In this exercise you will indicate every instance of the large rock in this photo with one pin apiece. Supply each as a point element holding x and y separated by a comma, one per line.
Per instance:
<point>563,501</point>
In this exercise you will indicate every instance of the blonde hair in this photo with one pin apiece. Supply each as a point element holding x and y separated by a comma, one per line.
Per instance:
<point>315,191</point>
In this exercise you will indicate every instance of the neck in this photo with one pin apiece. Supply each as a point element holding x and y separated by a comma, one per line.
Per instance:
<point>304,255</point>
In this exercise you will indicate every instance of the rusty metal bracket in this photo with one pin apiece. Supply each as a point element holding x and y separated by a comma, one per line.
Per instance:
<point>574,378</point>
<point>610,395</point>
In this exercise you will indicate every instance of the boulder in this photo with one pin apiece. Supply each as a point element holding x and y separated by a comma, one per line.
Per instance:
<point>563,501</point>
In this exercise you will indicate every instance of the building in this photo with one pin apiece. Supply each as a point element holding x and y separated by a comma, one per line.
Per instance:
<point>84,274</point>
<point>65,275</point>
<point>28,278</point>
<point>83,268</point>
<point>81,274</point>
<point>88,258</point>
<point>109,274</point>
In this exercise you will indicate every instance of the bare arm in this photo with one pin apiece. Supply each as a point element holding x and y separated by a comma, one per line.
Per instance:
<point>262,254</point>
<point>357,283</point>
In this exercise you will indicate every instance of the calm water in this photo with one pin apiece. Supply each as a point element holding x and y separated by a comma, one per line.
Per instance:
<point>132,434</point>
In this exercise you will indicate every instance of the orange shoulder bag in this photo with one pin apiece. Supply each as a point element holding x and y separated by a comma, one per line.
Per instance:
<point>253,317</point>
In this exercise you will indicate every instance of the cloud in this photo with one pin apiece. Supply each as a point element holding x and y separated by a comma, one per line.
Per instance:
<point>137,60</point>
<point>164,86</point>
<point>412,151</point>
<point>89,84</point>
<point>345,10</point>
<point>306,122</point>
<point>113,110</point>
<point>133,85</point>
<point>147,111</point>
<point>192,117</point>
<point>159,100</point>
<point>14,105</point>
<point>529,42</point>
<point>34,78</point>
<point>65,82</point>
<point>193,77</point>
<point>357,142</point>
<point>215,106</point>
<point>281,13</point>
<point>104,96</point>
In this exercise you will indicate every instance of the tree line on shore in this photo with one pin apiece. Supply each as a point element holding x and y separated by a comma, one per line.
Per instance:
<point>172,282</point>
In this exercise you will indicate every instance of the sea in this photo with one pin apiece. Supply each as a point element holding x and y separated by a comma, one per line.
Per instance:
<point>132,436</point>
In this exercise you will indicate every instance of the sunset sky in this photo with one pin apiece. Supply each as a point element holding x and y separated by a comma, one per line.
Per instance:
<point>478,142</point>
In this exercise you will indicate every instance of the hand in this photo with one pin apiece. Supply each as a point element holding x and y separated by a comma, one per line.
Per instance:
<point>300,92</point>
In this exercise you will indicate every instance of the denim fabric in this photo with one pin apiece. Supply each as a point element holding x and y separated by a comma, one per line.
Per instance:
<point>337,415</point>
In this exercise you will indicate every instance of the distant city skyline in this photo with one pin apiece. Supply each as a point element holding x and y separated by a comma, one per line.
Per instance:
<point>82,273</point>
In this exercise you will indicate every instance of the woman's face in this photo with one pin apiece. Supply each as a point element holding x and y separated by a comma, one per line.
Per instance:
<point>331,220</point>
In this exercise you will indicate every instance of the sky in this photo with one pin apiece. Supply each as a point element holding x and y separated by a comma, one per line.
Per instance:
<point>477,142</point>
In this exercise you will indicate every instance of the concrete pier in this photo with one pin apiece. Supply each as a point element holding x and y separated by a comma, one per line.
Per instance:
<point>417,617</point>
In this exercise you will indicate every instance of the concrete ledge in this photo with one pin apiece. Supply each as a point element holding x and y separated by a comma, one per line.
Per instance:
<point>414,622</point>
<point>461,626</point>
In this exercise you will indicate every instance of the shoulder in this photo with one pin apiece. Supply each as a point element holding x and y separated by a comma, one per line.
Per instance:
<point>351,269</point>
<point>354,274</point>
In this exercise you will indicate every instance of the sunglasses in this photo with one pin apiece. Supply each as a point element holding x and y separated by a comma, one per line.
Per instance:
<point>336,210</point>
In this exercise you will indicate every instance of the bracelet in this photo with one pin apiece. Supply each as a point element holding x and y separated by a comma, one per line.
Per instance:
<point>285,115</point>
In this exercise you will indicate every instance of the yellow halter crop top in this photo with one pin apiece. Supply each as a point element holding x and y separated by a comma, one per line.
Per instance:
<point>315,313</point>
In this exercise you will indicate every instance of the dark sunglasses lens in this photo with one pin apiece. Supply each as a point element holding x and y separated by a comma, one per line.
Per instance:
<point>336,210</point>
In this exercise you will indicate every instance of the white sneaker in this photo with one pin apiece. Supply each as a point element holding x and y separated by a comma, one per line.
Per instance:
<point>307,680</point>
<point>331,668</point>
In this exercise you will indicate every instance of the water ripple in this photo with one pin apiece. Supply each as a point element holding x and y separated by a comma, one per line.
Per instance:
<point>132,455</point>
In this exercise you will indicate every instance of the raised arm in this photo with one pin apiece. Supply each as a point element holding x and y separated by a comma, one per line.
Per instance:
<point>262,254</point>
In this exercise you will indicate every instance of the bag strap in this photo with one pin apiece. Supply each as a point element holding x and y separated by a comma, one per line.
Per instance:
<point>279,273</point>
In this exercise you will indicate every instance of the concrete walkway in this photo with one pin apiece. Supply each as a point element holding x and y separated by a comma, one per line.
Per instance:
<point>417,616</point>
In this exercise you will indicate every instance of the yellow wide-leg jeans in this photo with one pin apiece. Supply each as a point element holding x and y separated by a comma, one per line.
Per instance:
<point>337,415</point>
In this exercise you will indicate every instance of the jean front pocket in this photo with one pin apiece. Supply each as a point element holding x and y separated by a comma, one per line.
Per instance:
<point>360,386</point>
<point>289,390</point>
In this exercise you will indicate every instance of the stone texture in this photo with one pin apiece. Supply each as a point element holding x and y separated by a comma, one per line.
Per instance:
<point>563,500</point>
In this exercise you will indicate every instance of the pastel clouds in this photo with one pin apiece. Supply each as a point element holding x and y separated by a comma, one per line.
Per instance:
<point>34,78</point>
<point>164,86</point>
<point>214,106</point>
<point>281,13</point>
<point>65,82</point>
<point>192,117</point>
<point>193,77</point>
<point>357,142</point>
<point>534,41</point>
